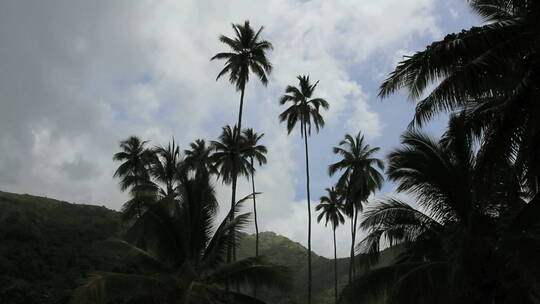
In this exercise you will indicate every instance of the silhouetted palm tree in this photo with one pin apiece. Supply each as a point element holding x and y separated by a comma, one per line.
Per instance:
<point>230,161</point>
<point>304,109</point>
<point>133,173</point>
<point>331,207</point>
<point>492,72</point>
<point>198,160</point>
<point>461,245</point>
<point>184,261</point>
<point>164,168</point>
<point>248,53</point>
<point>254,151</point>
<point>359,179</point>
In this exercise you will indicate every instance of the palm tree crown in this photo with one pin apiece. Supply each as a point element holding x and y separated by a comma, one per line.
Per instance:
<point>304,108</point>
<point>331,208</point>
<point>198,158</point>
<point>248,53</point>
<point>230,155</point>
<point>360,175</point>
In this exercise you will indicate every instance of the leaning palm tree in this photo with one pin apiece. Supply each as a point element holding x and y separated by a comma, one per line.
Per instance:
<point>230,162</point>
<point>331,208</point>
<point>359,178</point>
<point>492,72</point>
<point>197,159</point>
<point>469,237</point>
<point>305,110</point>
<point>184,261</point>
<point>248,53</point>
<point>133,173</point>
<point>254,151</point>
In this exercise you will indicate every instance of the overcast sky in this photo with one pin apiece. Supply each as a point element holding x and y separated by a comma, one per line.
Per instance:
<point>76,77</point>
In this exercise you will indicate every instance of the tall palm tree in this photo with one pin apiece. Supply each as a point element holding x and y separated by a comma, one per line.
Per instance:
<point>360,177</point>
<point>461,243</point>
<point>184,262</point>
<point>492,71</point>
<point>230,161</point>
<point>254,151</point>
<point>248,53</point>
<point>304,109</point>
<point>331,208</point>
<point>133,173</point>
<point>197,159</point>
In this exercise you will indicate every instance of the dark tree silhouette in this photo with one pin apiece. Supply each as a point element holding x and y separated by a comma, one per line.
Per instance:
<point>359,178</point>
<point>304,109</point>
<point>184,261</point>
<point>247,54</point>
<point>331,209</point>
<point>133,173</point>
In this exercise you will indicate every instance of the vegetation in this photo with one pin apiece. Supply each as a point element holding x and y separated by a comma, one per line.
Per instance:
<point>467,233</point>
<point>305,110</point>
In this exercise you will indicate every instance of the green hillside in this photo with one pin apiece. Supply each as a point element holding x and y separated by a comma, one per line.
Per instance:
<point>48,247</point>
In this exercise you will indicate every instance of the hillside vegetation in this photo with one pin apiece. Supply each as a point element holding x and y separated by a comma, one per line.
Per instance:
<point>48,247</point>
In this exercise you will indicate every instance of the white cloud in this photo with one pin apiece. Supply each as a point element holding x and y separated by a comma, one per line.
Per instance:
<point>79,77</point>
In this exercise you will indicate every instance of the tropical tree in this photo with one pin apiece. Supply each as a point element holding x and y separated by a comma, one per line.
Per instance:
<point>492,71</point>
<point>198,159</point>
<point>133,173</point>
<point>331,209</point>
<point>184,261</point>
<point>360,177</point>
<point>230,161</point>
<point>247,53</point>
<point>305,110</point>
<point>164,168</point>
<point>468,240</point>
<point>254,151</point>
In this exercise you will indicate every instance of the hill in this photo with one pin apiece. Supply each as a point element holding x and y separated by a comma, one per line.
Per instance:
<point>47,250</point>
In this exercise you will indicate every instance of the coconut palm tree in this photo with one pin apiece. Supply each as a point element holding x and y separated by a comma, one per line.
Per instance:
<point>197,159</point>
<point>185,261</point>
<point>360,177</point>
<point>164,168</point>
<point>230,161</point>
<point>254,151</point>
<point>248,53</point>
<point>305,110</point>
<point>133,173</point>
<point>461,243</point>
<point>492,72</point>
<point>331,209</point>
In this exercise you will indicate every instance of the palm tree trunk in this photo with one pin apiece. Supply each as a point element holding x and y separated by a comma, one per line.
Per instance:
<point>309,214</point>
<point>239,125</point>
<point>351,253</point>
<point>255,220</point>
<point>354,242</point>
<point>335,268</point>
<point>233,201</point>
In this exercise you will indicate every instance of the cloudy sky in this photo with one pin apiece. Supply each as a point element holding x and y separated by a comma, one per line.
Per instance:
<point>76,77</point>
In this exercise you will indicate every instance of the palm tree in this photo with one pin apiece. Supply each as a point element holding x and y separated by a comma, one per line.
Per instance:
<point>164,168</point>
<point>461,244</point>
<point>254,150</point>
<point>304,109</point>
<point>492,72</point>
<point>248,53</point>
<point>230,161</point>
<point>184,262</point>
<point>331,208</point>
<point>197,159</point>
<point>133,173</point>
<point>359,179</point>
